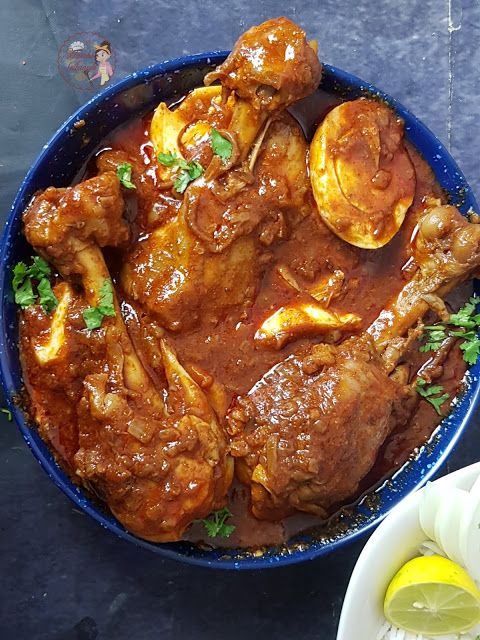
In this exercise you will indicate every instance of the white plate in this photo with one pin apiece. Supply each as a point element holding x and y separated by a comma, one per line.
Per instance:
<point>394,542</point>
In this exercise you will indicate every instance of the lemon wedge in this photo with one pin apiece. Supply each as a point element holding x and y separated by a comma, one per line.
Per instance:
<point>433,596</point>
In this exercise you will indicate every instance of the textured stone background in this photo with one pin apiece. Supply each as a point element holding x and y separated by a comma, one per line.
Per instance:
<point>61,576</point>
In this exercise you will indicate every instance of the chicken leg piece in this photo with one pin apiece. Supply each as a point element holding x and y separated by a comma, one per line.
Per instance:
<point>446,253</point>
<point>309,431</point>
<point>271,66</point>
<point>171,270</point>
<point>158,464</point>
<point>213,250</point>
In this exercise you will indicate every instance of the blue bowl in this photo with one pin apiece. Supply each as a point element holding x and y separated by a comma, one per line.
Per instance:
<point>57,165</point>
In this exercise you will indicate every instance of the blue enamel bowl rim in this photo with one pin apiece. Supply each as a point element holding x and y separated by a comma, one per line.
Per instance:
<point>425,464</point>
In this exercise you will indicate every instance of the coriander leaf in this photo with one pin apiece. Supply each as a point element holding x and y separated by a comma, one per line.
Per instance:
<point>221,146</point>
<point>215,524</point>
<point>437,403</point>
<point>24,295</point>
<point>428,392</point>
<point>471,350</point>
<point>462,334</point>
<point>183,164</point>
<point>22,284</point>
<point>167,159</point>
<point>19,274</point>
<point>93,318</point>
<point>227,530</point>
<point>195,170</point>
<point>124,174</point>
<point>463,317</point>
<point>434,336</point>
<point>48,299</point>
<point>467,323</point>
<point>39,268</point>
<point>106,306</point>
<point>467,318</point>
<point>7,412</point>
<point>437,335</point>
<point>430,346</point>
<point>470,345</point>
<point>191,171</point>
<point>181,182</point>
<point>433,390</point>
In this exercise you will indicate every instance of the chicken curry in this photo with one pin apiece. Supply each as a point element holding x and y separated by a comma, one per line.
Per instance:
<point>227,325</point>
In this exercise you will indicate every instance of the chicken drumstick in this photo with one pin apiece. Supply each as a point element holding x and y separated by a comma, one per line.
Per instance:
<point>159,465</point>
<point>309,431</point>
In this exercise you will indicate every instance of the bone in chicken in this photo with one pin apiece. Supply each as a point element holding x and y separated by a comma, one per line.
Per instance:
<point>310,430</point>
<point>214,249</point>
<point>271,66</point>
<point>158,465</point>
<point>171,271</point>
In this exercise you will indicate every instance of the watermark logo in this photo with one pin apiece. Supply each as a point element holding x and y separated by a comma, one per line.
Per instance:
<point>86,61</point>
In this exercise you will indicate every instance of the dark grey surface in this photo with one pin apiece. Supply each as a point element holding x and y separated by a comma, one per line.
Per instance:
<point>62,576</point>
